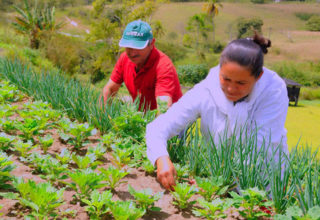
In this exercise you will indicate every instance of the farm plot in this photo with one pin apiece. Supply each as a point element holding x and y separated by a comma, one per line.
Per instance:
<point>52,167</point>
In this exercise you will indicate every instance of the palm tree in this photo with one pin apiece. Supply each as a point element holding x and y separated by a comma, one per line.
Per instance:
<point>211,8</point>
<point>33,22</point>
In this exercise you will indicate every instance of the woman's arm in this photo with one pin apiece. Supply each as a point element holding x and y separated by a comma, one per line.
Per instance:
<point>167,125</point>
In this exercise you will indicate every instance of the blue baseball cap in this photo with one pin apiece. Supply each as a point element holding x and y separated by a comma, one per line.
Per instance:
<point>136,35</point>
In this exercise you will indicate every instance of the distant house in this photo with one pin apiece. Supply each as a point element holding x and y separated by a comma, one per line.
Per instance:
<point>293,90</point>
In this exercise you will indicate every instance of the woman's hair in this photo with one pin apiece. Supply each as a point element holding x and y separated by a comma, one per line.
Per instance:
<point>247,52</point>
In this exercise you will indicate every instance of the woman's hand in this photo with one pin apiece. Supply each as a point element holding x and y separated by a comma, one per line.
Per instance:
<point>166,172</point>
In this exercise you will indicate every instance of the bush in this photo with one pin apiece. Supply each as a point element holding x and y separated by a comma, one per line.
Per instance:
<point>257,1</point>
<point>310,93</point>
<point>96,76</point>
<point>64,52</point>
<point>192,73</point>
<point>313,23</point>
<point>304,16</point>
<point>218,47</point>
<point>306,73</point>
<point>247,26</point>
<point>173,51</point>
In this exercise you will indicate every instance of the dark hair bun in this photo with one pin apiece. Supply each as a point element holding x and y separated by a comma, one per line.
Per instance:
<point>264,43</point>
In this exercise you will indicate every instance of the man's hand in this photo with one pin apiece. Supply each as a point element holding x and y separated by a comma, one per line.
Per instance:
<point>109,90</point>
<point>166,172</point>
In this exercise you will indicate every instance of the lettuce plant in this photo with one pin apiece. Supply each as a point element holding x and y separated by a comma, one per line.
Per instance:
<point>40,109</point>
<point>98,204</point>
<point>126,210</point>
<point>98,150</point>
<point>210,210</point>
<point>23,148</point>
<point>148,167</point>
<point>6,141</point>
<point>30,127</point>
<point>46,142</point>
<point>84,182</point>
<point>145,199</point>
<point>6,166</point>
<point>7,110</point>
<point>107,140</point>
<point>112,176</point>
<point>182,172</point>
<point>182,193</point>
<point>211,187</point>
<point>65,156</point>
<point>51,168</point>
<point>250,200</point>
<point>121,157</point>
<point>8,126</point>
<point>78,133</point>
<point>9,93</point>
<point>88,161</point>
<point>42,198</point>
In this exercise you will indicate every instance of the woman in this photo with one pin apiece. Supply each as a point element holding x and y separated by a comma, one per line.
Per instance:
<point>238,90</point>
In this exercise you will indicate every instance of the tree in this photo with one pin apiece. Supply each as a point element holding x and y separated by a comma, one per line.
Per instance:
<point>247,26</point>
<point>211,8</point>
<point>199,25</point>
<point>33,22</point>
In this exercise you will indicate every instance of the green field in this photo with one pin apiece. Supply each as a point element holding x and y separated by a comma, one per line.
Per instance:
<point>303,122</point>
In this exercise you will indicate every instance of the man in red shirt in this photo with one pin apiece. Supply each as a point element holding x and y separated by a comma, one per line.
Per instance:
<point>147,72</point>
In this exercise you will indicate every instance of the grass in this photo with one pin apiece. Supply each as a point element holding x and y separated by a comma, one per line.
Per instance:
<point>303,122</point>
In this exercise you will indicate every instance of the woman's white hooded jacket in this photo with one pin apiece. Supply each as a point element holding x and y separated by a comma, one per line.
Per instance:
<point>265,108</point>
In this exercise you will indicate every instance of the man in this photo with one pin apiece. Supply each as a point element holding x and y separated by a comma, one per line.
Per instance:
<point>147,72</point>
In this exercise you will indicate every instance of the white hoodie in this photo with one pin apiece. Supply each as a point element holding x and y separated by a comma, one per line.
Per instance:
<point>266,107</point>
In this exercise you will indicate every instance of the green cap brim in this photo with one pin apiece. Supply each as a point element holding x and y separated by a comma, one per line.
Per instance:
<point>133,43</point>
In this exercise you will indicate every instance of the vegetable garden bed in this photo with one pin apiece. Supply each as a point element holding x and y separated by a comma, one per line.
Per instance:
<point>54,167</point>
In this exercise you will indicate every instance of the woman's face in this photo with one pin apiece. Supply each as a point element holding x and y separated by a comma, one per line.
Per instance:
<point>236,81</point>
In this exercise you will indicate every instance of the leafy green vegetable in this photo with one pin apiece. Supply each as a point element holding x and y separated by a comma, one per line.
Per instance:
<point>182,172</point>
<point>24,148</point>
<point>210,210</point>
<point>42,198</point>
<point>145,199</point>
<point>121,157</point>
<point>8,125</point>
<point>76,133</point>
<point>148,167</point>
<point>98,204</point>
<point>126,210</point>
<point>113,176</point>
<point>181,194</point>
<point>294,212</point>
<point>211,187</point>
<point>46,142</point>
<point>30,127</point>
<point>7,110</point>
<point>6,141</point>
<point>98,150</point>
<point>65,156</point>
<point>51,167</point>
<point>84,182</point>
<point>6,166</point>
<point>250,199</point>
<point>88,161</point>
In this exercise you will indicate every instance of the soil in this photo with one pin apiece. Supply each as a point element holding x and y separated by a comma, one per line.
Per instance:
<point>137,179</point>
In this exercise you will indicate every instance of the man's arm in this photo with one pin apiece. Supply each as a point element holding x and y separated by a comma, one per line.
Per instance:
<point>109,90</point>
